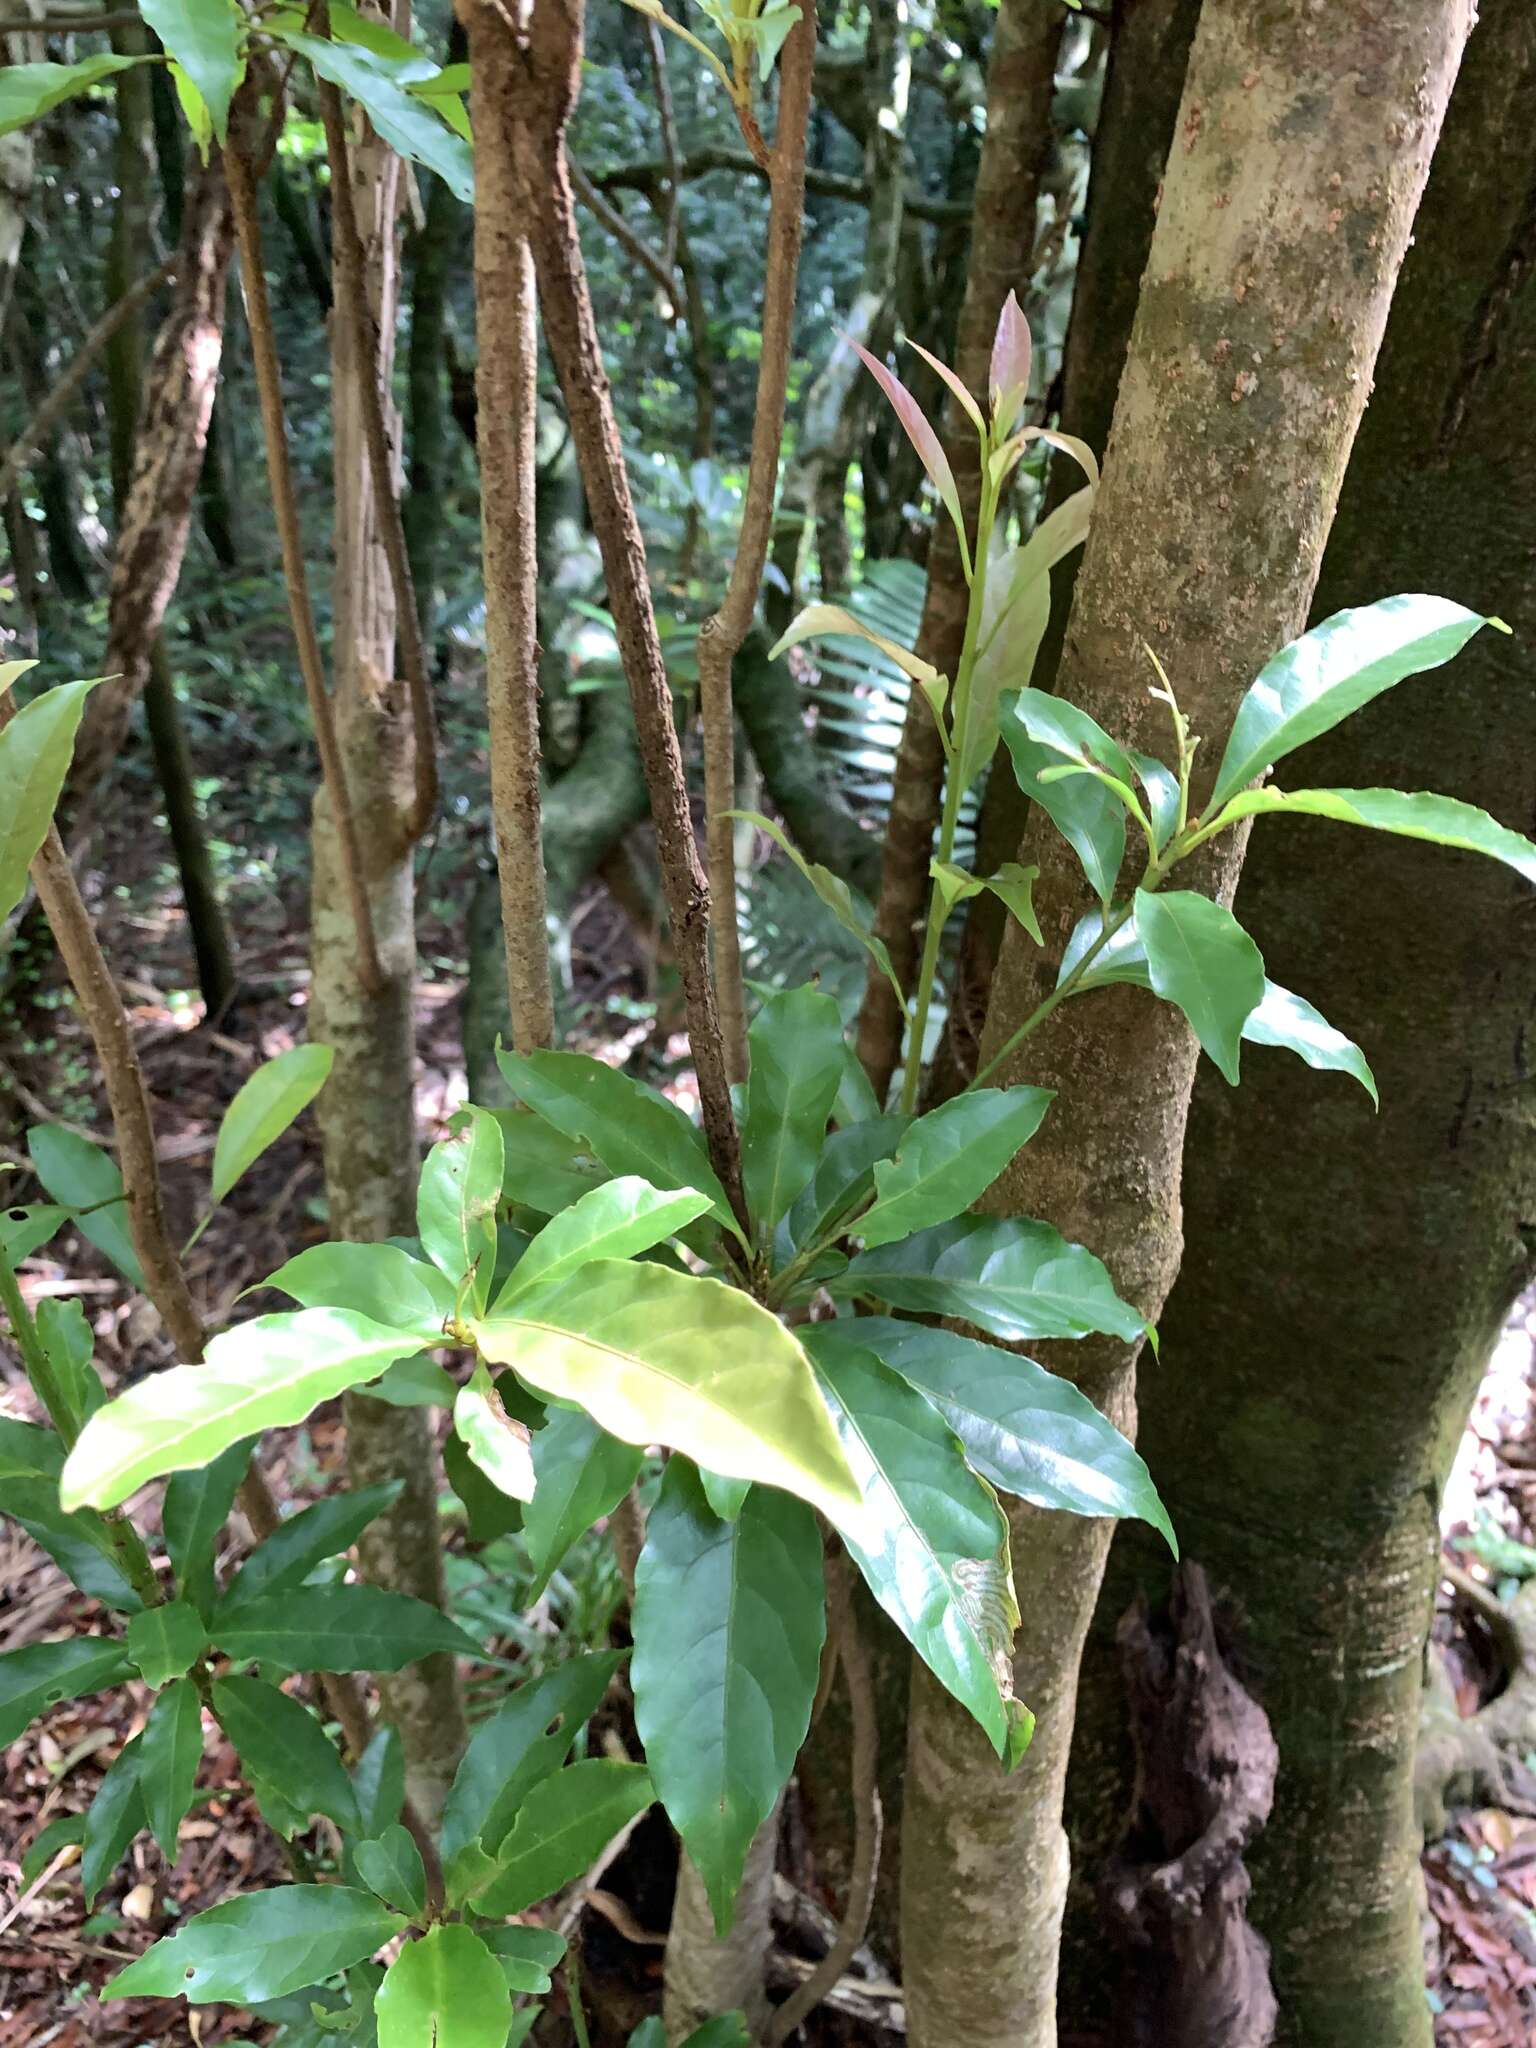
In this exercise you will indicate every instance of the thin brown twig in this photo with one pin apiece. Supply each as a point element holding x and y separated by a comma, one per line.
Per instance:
<point>867,1817</point>
<point>506,386</point>
<point>546,82</point>
<point>70,24</point>
<point>671,154</point>
<point>164,1275</point>
<point>721,636</point>
<point>647,174</point>
<point>269,389</point>
<point>62,396</point>
<point>608,216</point>
<point>352,302</point>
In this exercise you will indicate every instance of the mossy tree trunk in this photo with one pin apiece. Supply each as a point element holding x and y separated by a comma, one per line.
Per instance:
<point>367,1109</point>
<point>1256,333</point>
<point>1346,1274</point>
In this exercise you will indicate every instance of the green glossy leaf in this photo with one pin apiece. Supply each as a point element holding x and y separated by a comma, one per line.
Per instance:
<point>116,1815</point>
<point>496,1441</point>
<point>379,1281</point>
<point>203,37</point>
<point>391,1865</point>
<point>68,1339</point>
<point>1289,1020</point>
<point>527,1955</point>
<point>545,1170</point>
<point>949,1158</point>
<point>260,1375</point>
<point>843,1180</point>
<point>194,1511</point>
<point>1016,610</point>
<point>1280,1018</point>
<point>856,1102</point>
<point>1014,887</point>
<point>29,1452</point>
<point>1318,680</point>
<point>261,1945</point>
<point>528,1737</point>
<point>336,1628</point>
<point>725,2030</point>
<point>170,1750</point>
<point>444,1991</point>
<point>662,1357</point>
<point>581,1473</point>
<point>488,1512</point>
<point>278,1091</point>
<point>1162,790</point>
<point>457,1200</point>
<point>936,1557</point>
<point>406,123</point>
<point>796,1047</point>
<point>38,1677</point>
<point>406,63</point>
<point>1200,958</point>
<point>729,1620</point>
<point>1442,820</point>
<point>630,1128</point>
<point>855,918</point>
<point>1026,1430</point>
<point>378,1779</point>
<point>415,1383</point>
<point>1012,1277</point>
<point>165,1641</point>
<point>28,91</point>
<point>832,622</point>
<point>726,1497</point>
<point>24,1229</point>
<point>618,1220</point>
<point>279,1740</point>
<point>562,1826</point>
<point>80,1544</point>
<point>1122,959</point>
<point>287,1557</point>
<point>1088,816</point>
<point>82,1176</point>
<point>37,746</point>
<point>65,1832</point>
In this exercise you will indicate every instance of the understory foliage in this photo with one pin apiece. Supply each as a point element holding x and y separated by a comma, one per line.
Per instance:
<point>829,1360</point>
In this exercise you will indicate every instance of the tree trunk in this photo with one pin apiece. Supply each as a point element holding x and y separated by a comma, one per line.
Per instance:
<point>133,223</point>
<point>155,515</point>
<point>1321,1349</point>
<point>183,816</point>
<point>1255,337</point>
<point>367,1109</point>
<point>427,402</point>
<point>1013,157</point>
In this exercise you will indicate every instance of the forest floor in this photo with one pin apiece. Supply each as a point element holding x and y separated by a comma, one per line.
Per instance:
<point>54,1955</point>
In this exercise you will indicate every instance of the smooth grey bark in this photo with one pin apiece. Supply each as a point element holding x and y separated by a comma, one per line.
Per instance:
<point>1346,1274</point>
<point>1300,157</point>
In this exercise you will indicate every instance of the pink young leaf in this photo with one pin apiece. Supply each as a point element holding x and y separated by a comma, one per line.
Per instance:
<point>963,397</point>
<point>1009,382</point>
<point>919,432</point>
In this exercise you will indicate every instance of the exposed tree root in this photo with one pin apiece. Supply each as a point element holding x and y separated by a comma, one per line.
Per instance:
<point>1465,1759</point>
<point>1177,1895</point>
